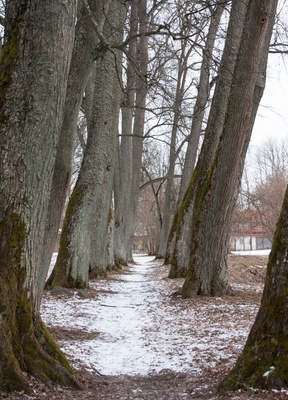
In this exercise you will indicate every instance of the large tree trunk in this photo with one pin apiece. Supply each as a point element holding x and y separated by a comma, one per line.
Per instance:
<point>99,263</point>
<point>34,70</point>
<point>90,200</point>
<point>214,202</point>
<point>169,188</point>
<point>127,187</point>
<point>263,361</point>
<point>182,222</point>
<point>81,63</point>
<point>139,119</point>
<point>123,175</point>
<point>197,122</point>
<point>101,235</point>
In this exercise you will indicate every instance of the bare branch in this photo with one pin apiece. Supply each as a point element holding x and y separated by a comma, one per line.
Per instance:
<point>155,180</point>
<point>100,35</point>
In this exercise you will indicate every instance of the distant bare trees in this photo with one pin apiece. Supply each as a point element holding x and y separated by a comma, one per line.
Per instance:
<point>153,59</point>
<point>147,226</point>
<point>265,193</point>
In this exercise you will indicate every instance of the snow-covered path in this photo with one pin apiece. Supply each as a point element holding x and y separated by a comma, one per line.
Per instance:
<point>134,326</point>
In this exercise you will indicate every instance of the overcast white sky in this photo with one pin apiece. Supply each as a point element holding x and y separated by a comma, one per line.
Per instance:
<point>272,119</point>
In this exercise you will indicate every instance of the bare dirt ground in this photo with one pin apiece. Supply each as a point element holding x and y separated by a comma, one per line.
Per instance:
<point>247,275</point>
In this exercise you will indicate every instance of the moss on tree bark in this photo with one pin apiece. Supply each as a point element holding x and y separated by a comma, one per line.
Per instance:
<point>263,362</point>
<point>215,198</point>
<point>25,345</point>
<point>61,274</point>
<point>36,52</point>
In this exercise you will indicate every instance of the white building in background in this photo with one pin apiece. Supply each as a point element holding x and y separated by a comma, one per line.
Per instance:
<point>247,233</point>
<point>250,242</point>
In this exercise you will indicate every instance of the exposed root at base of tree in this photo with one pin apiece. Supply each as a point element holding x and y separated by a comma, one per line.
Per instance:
<point>193,288</point>
<point>32,350</point>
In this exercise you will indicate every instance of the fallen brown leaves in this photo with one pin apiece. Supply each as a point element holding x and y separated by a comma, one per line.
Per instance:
<point>247,276</point>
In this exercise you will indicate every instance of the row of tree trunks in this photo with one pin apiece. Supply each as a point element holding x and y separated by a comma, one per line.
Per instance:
<point>109,79</point>
<point>197,123</point>
<point>124,172</point>
<point>139,118</point>
<point>181,226</point>
<point>81,63</point>
<point>215,198</point>
<point>35,63</point>
<point>169,188</point>
<point>130,152</point>
<point>89,206</point>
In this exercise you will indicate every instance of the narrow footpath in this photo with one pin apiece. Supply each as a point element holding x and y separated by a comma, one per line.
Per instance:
<point>135,326</point>
<point>131,337</point>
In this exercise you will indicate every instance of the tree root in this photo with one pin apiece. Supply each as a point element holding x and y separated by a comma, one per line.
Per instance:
<point>32,349</point>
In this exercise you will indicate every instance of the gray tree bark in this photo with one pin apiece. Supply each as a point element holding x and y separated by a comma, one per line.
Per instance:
<point>263,361</point>
<point>90,200</point>
<point>124,172</point>
<point>110,241</point>
<point>101,234</point>
<point>139,118</point>
<point>169,192</point>
<point>201,101</point>
<point>215,199</point>
<point>197,122</point>
<point>33,80</point>
<point>182,222</point>
<point>84,53</point>
<point>130,161</point>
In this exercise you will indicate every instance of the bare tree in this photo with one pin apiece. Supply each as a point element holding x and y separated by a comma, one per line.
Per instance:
<point>266,192</point>
<point>91,197</point>
<point>34,72</point>
<point>147,221</point>
<point>182,222</point>
<point>215,199</point>
<point>84,52</point>
<point>203,94</point>
<point>169,185</point>
<point>130,150</point>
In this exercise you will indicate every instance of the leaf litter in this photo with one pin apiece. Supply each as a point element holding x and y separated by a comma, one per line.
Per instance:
<point>132,337</point>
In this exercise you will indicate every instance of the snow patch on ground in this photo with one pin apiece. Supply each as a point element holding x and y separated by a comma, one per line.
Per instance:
<point>265,252</point>
<point>137,327</point>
